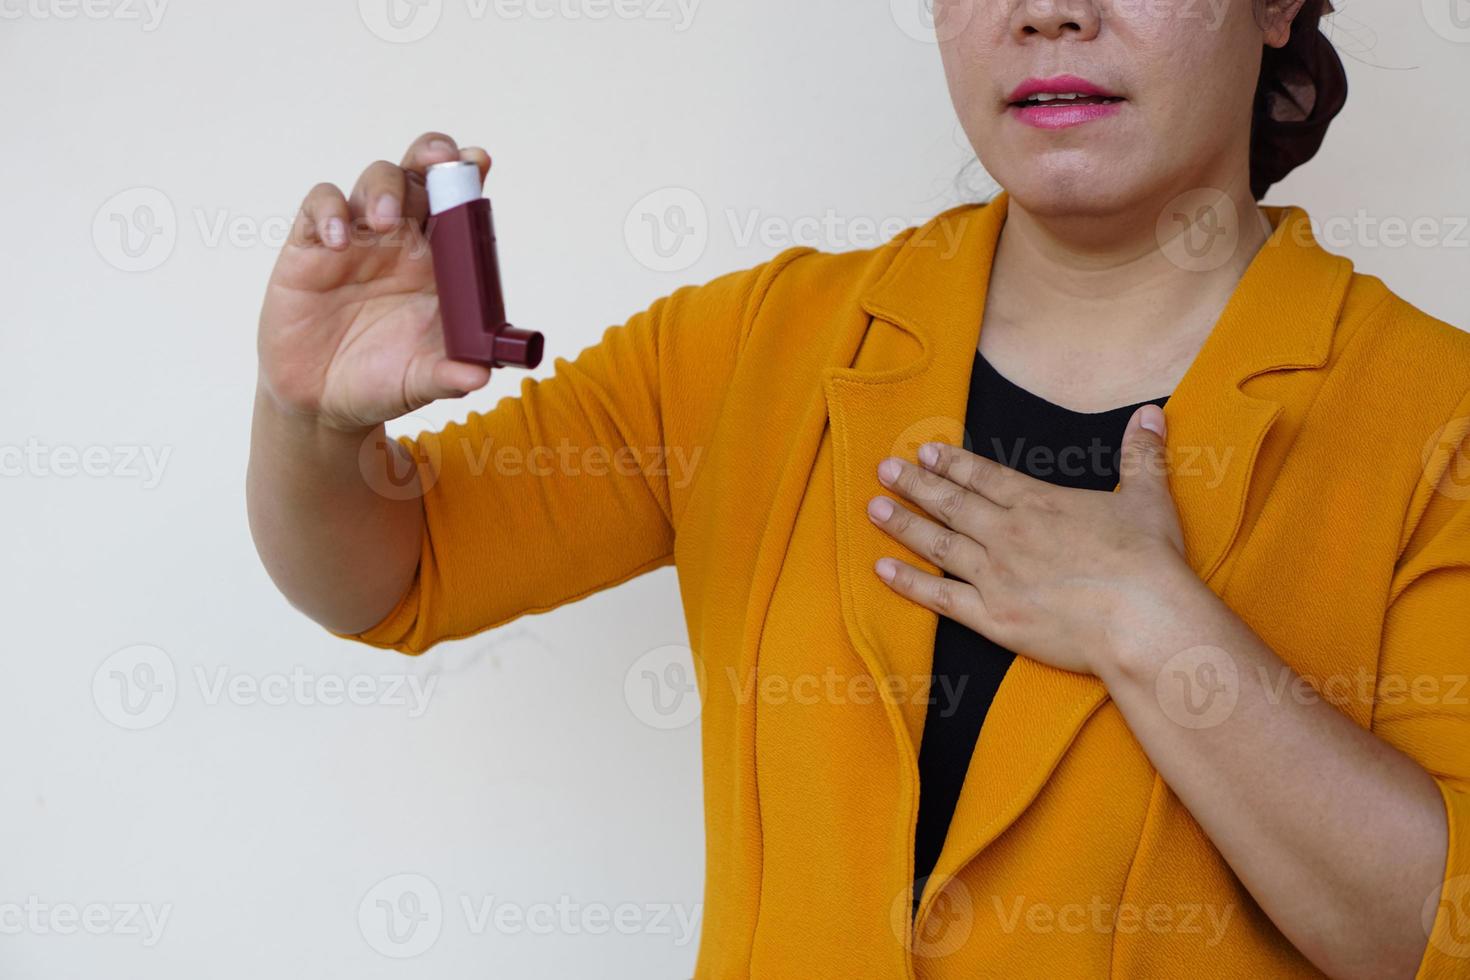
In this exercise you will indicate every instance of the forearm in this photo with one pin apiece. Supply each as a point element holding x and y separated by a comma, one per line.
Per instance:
<point>1337,835</point>
<point>340,551</point>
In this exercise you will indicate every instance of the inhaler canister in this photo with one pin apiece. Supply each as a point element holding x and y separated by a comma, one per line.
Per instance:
<point>467,272</point>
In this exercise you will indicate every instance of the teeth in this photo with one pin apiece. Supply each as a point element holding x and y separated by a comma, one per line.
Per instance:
<point>1049,96</point>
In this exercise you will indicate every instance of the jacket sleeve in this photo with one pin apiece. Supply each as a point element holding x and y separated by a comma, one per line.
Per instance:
<point>580,481</point>
<point>1422,696</point>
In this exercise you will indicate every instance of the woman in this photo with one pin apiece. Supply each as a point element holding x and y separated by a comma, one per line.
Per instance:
<point>965,711</point>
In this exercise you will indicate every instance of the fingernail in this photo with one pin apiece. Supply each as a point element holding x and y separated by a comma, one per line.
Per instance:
<point>928,454</point>
<point>886,569</point>
<point>387,208</point>
<point>1152,418</point>
<point>441,146</point>
<point>888,470</point>
<point>336,232</point>
<point>880,509</point>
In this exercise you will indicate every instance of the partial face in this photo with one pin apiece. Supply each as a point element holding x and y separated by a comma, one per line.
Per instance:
<point>1092,107</point>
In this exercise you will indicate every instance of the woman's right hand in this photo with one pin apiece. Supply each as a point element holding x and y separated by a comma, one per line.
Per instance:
<point>349,330</point>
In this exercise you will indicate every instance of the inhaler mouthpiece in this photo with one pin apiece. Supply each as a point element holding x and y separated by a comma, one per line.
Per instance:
<point>451,184</point>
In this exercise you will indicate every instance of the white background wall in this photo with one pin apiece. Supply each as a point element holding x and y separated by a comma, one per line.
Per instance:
<point>264,825</point>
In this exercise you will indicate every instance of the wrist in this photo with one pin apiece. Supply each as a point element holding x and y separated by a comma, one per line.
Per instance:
<point>298,449</point>
<point>1165,611</point>
<point>308,428</point>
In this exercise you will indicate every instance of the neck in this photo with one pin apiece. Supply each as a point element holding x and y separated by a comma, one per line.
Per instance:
<point>1116,306</point>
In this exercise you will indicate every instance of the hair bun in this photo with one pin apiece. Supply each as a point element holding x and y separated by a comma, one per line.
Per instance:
<point>1302,87</point>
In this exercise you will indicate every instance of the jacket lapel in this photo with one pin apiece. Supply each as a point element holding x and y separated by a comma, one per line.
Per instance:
<point>909,383</point>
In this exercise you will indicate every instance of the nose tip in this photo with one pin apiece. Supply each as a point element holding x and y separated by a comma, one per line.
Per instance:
<point>1053,19</point>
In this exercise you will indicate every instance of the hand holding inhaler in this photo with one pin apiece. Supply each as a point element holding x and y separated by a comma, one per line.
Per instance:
<point>348,335</point>
<point>467,272</point>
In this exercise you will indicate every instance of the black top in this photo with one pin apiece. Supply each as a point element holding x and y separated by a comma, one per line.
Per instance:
<point>1026,432</point>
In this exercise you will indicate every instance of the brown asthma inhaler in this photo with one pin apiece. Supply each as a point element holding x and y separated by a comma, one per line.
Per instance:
<point>461,235</point>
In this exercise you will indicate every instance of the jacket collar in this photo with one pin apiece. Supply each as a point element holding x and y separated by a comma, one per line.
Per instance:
<point>909,383</point>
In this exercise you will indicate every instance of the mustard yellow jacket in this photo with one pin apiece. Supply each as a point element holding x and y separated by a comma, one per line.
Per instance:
<point>733,430</point>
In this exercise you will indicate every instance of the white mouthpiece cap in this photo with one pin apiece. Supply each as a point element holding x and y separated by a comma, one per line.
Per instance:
<point>451,184</point>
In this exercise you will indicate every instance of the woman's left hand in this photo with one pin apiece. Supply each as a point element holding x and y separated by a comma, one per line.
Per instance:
<point>1063,576</point>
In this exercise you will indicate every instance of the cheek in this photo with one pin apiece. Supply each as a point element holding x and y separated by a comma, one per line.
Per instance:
<point>970,90</point>
<point>1194,81</point>
<point>1201,67</point>
<point>970,56</point>
<point>1210,120</point>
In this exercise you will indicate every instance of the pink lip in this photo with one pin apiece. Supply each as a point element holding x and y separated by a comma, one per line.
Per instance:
<point>1060,115</point>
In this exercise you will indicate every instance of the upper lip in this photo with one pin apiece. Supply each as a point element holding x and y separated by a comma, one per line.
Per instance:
<point>1057,85</point>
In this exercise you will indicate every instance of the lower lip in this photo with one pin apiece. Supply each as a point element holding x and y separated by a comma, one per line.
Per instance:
<point>1053,116</point>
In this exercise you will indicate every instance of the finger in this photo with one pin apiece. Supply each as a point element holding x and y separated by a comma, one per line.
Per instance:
<point>323,219</point>
<point>953,504</point>
<point>991,480</point>
<point>1143,463</point>
<point>423,153</point>
<point>433,376</point>
<point>479,158</point>
<point>456,378</point>
<point>377,198</point>
<point>427,150</point>
<point>952,551</point>
<point>959,601</point>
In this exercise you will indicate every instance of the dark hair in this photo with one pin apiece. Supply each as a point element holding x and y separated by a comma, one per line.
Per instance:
<point>1301,88</point>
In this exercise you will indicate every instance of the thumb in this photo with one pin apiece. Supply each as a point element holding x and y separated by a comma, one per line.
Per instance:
<point>1144,465</point>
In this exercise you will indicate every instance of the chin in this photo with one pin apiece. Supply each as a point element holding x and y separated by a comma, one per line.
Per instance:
<point>1070,187</point>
